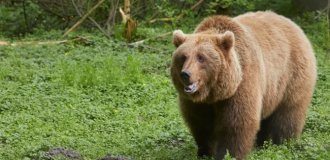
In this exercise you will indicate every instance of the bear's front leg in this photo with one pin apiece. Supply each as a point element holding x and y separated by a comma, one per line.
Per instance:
<point>238,141</point>
<point>237,129</point>
<point>200,120</point>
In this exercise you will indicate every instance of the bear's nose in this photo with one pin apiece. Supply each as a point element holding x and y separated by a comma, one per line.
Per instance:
<point>185,75</point>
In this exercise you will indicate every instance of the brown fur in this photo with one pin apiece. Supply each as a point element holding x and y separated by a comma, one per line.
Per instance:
<point>255,76</point>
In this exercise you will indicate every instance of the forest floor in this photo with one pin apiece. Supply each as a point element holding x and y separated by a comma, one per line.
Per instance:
<point>102,97</point>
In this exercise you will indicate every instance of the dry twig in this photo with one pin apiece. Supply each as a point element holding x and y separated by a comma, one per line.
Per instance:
<point>112,16</point>
<point>137,43</point>
<point>77,39</point>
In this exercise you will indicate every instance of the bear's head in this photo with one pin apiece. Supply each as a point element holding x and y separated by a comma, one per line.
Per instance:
<point>205,66</point>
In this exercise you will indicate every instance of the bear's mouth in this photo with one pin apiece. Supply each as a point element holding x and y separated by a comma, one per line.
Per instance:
<point>192,88</point>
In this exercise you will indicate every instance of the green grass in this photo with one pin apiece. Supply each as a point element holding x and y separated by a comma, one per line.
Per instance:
<point>108,98</point>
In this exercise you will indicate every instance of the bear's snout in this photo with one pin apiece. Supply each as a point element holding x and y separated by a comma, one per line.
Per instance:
<point>185,76</point>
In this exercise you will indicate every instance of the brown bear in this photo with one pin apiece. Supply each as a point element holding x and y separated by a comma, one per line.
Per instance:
<point>242,81</point>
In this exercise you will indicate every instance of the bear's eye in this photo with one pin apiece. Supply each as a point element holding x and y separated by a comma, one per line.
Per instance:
<point>183,58</point>
<point>200,58</point>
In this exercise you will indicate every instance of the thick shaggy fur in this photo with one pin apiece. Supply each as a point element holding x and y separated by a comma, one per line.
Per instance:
<point>255,76</point>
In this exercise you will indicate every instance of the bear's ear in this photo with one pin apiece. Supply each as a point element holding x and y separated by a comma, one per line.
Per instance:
<point>178,38</point>
<point>226,41</point>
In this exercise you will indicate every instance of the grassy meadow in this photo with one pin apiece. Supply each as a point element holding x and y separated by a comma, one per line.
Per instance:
<point>104,97</point>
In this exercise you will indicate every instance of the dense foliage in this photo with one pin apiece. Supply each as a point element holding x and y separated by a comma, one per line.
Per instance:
<point>18,17</point>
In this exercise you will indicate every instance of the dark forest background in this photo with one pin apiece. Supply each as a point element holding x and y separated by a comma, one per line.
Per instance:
<point>18,17</point>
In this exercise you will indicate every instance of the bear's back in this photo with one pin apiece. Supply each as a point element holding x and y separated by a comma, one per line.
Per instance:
<point>287,59</point>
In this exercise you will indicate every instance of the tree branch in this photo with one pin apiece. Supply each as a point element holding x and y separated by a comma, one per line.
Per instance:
<point>90,18</point>
<point>83,18</point>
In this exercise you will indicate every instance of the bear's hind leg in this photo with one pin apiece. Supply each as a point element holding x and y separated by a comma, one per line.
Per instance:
<point>288,121</point>
<point>263,133</point>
